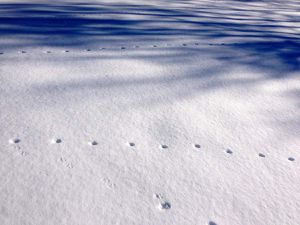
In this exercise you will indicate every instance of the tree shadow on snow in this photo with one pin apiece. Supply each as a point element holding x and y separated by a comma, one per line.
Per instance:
<point>266,33</point>
<point>266,29</point>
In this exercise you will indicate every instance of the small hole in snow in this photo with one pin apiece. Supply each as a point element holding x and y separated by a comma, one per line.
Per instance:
<point>123,48</point>
<point>212,223</point>
<point>56,141</point>
<point>131,144</point>
<point>261,155</point>
<point>15,141</point>
<point>93,143</point>
<point>158,196</point>
<point>164,146</point>
<point>67,51</point>
<point>229,151</point>
<point>197,146</point>
<point>165,205</point>
<point>291,159</point>
<point>88,50</point>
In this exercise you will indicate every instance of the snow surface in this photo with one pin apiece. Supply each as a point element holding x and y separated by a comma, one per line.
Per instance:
<point>149,112</point>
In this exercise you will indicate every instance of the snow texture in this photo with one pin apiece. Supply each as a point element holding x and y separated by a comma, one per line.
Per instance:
<point>149,112</point>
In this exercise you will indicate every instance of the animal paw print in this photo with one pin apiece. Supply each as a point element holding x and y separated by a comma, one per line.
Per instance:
<point>163,204</point>
<point>131,144</point>
<point>66,163</point>
<point>197,146</point>
<point>24,153</point>
<point>14,141</point>
<point>56,141</point>
<point>93,143</point>
<point>109,183</point>
<point>164,146</point>
<point>229,151</point>
<point>158,196</point>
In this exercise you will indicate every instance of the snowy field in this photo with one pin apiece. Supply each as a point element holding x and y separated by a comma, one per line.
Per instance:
<point>150,112</point>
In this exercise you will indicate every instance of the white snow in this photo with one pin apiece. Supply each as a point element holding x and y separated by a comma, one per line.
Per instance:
<point>197,125</point>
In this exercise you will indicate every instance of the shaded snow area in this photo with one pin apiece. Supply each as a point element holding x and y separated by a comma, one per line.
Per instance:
<point>150,112</point>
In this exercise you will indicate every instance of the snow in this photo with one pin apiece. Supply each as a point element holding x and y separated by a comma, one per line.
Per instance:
<point>199,124</point>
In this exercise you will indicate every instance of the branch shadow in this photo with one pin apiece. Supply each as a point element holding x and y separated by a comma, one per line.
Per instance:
<point>260,34</point>
<point>263,28</point>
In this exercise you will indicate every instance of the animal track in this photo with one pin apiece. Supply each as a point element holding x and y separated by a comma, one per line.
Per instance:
<point>212,223</point>
<point>24,153</point>
<point>164,205</point>
<point>93,143</point>
<point>197,146</point>
<point>164,146</point>
<point>158,196</point>
<point>69,165</point>
<point>61,159</point>
<point>229,151</point>
<point>14,141</point>
<point>66,163</point>
<point>131,144</point>
<point>109,183</point>
<point>137,46</point>
<point>261,155</point>
<point>56,141</point>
